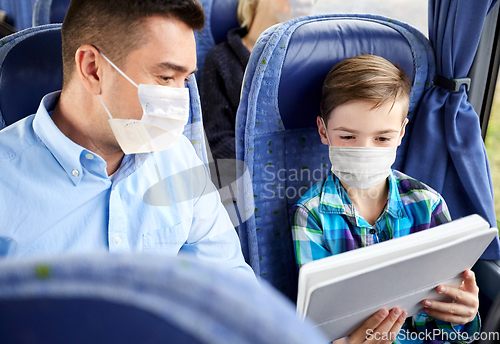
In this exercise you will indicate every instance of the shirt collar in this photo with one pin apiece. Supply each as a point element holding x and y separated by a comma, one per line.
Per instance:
<point>72,157</point>
<point>66,152</point>
<point>334,198</point>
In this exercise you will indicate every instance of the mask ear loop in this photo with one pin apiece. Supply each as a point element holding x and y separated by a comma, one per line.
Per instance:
<point>405,121</point>
<point>105,108</point>
<point>119,70</point>
<point>326,132</point>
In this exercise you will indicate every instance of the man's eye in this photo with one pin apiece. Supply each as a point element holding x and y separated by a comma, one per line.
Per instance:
<point>383,139</point>
<point>347,137</point>
<point>166,78</point>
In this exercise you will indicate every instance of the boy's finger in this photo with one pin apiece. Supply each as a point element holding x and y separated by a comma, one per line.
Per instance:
<point>458,295</point>
<point>383,331</point>
<point>453,318</point>
<point>450,308</point>
<point>359,335</point>
<point>397,327</point>
<point>470,281</point>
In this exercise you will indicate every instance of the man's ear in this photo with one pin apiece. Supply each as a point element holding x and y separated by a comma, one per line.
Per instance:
<point>322,131</point>
<point>403,130</point>
<point>89,63</point>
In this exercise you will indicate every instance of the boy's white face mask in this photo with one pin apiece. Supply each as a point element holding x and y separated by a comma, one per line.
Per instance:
<point>165,113</point>
<point>361,167</point>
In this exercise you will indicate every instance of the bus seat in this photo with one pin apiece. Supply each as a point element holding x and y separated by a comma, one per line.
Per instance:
<point>276,132</point>
<point>20,11</point>
<point>220,16</point>
<point>147,298</point>
<point>490,333</point>
<point>49,11</point>
<point>24,80</point>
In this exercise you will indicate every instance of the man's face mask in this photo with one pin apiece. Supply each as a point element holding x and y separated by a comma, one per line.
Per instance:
<point>165,113</point>
<point>361,167</point>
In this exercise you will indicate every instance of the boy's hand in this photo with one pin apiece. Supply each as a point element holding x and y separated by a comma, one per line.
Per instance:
<point>465,304</point>
<point>381,328</point>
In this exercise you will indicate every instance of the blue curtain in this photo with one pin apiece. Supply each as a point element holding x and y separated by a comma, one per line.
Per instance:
<point>446,133</point>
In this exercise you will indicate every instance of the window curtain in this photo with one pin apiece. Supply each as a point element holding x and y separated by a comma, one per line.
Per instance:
<point>446,132</point>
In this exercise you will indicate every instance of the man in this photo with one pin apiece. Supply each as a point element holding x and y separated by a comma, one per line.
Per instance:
<point>68,186</point>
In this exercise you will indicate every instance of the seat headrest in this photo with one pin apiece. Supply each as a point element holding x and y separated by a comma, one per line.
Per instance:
<point>31,69</point>
<point>58,10</point>
<point>311,54</point>
<point>223,19</point>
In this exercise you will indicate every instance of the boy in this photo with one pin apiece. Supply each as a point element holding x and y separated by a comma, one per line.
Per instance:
<point>363,118</point>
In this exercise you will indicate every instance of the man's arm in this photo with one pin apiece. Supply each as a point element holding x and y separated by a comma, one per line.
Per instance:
<point>212,236</point>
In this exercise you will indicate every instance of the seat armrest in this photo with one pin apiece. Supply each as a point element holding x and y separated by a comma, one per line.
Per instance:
<point>488,277</point>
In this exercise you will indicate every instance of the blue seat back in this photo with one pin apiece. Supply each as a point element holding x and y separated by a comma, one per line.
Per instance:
<point>276,132</point>
<point>31,66</point>
<point>220,16</point>
<point>130,298</point>
<point>20,11</point>
<point>49,11</point>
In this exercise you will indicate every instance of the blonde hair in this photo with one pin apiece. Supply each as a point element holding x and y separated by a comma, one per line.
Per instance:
<point>246,12</point>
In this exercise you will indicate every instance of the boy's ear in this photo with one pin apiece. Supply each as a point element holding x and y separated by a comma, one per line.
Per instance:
<point>89,68</point>
<point>322,131</point>
<point>403,130</point>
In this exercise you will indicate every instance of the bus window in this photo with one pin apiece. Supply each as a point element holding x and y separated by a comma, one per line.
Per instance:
<point>492,142</point>
<point>413,12</point>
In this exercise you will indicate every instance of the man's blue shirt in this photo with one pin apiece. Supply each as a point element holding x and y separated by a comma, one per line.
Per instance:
<point>57,197</point>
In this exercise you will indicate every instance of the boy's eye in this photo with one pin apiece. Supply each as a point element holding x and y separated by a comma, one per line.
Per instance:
<point>347,137</point>
<point>383,139</point>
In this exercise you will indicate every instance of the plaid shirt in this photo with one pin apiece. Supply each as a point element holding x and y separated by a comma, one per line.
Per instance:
<point>411,207</point>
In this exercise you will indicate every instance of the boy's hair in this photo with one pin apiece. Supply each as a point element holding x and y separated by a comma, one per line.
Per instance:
<point>114,26</point>
<point>364,78</point>
<point>246,12</point>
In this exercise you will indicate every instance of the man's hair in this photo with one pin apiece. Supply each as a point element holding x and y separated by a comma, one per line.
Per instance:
<point>246,12</point>
<point>364,78</point>
<point>114,26</point>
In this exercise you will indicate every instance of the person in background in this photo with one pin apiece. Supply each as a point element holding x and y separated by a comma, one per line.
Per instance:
<point>225,65</point>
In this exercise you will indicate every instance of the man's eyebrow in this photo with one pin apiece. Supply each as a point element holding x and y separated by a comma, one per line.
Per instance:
<point>173,66</point>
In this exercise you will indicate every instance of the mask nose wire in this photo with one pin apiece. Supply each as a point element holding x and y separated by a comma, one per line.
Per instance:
<point>326,132</point>
<point>119,70</point>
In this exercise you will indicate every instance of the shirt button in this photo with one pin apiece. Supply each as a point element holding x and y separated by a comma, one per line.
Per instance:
<point>75,173</point>
<point>373,231</point>
<point>118,239</point>
<point>89,156</point>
